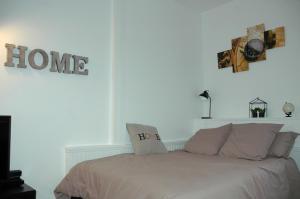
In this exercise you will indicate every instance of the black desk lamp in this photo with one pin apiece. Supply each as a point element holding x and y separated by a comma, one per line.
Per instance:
<point>206,95</point>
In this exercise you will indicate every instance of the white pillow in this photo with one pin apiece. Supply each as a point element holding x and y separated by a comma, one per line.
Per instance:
<point>145,139</point>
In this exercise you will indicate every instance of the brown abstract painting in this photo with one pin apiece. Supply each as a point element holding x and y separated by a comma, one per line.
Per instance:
<point>274,38</point>
<point>251,48</point>
<point>255,42</point>
<point>224,59</point>
<point>238,60</point>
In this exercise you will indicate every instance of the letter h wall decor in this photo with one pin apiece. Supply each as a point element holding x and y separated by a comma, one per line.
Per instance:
<point>251,48</point>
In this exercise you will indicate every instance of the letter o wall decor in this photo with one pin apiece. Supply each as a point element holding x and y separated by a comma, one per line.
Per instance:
<point>31,59</point>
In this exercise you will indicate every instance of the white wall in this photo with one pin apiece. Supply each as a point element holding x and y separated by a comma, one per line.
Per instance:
<point>157,66</point>
<point>143,67</point>
<point>275,80</point>
<point>51,110</point>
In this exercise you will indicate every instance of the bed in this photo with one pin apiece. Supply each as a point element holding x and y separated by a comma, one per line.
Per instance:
<point>181,175</point>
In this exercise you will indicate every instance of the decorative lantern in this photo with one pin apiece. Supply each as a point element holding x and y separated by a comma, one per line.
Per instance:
<point>258,108</point>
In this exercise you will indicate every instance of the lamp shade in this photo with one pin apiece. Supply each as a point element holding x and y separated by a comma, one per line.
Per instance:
<point>205,94</point>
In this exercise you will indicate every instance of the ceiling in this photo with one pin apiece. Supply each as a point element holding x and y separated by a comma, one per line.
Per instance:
<point>202,5</point>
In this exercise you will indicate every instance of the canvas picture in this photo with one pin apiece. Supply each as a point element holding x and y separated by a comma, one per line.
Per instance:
<point>251,48</point>
<point>224,59</point>
<point>255,50</point>
<point>274,38</point>
<point>238,60</point>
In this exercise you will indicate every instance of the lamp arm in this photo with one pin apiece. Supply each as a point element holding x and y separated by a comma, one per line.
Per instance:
<point>209,107</point>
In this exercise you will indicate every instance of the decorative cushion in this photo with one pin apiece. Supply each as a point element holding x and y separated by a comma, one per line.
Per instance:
<point>208,141</point>
<point>145,139</point>
<point>283,144</point>
<point>250,141</point>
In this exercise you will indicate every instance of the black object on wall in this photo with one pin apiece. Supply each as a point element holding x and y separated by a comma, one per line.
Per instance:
<point>8,179</point>
<point>4,147</point>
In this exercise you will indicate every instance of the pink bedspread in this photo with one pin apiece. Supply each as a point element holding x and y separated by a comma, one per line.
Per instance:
<point>181,175</point>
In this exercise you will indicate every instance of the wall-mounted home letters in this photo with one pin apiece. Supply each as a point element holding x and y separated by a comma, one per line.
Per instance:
<point>60,65</point>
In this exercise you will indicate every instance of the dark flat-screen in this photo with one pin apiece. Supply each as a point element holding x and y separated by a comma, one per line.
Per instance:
<point>4,147</point>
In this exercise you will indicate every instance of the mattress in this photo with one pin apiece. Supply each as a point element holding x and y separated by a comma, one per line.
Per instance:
<point>181,175</point>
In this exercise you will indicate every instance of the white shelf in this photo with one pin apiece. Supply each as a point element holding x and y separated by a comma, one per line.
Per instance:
<point>251,119</point>
<point>290,124</point>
